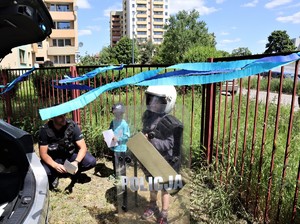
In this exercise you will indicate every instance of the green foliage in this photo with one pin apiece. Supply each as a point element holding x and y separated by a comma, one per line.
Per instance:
<point>249,152</point>
<point>212,197</point>
<point>279,41</point>
<point>94,139</point>
<point>287,85</point>
<point>224,53</point>
<point>122,52</point>
<point>200,54</point>
<point>89,60</point>
<point>105,57</point>
<point>28,124</point>
<point>146,52</point>
<point>184,31</point>
<point>11,75</point>
<point>241,51</point>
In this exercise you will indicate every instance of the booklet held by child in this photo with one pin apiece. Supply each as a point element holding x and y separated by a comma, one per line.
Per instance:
<point>108,136</point>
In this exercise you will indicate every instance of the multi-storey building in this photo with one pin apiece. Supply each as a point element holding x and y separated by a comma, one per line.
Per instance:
<point>61,47</point>
<point>296,42</point>
<point>115,27</point>
<point>144,20</point>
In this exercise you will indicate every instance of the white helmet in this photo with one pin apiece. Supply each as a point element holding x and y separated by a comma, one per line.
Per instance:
<point>162,96</point>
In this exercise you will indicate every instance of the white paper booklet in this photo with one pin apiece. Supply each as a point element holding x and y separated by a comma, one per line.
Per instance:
<point>70,167</point>
<point>108,136</point>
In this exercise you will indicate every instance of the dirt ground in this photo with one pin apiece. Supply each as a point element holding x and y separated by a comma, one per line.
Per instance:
<point>99,200</point>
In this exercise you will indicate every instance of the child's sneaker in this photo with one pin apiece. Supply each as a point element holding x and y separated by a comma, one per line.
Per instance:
<point>150,212</point>
<point>163,217</point>
<point>162,220</point>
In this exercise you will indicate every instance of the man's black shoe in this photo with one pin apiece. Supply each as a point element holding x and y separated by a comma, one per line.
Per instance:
<point>55,183</point>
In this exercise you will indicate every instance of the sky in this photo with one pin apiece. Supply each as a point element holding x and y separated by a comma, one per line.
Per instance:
<point>235,23</point>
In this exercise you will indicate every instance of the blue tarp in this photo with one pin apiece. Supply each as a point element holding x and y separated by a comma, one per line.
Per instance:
<point>11,85</point>
<point>187,74</point>
<point>90,74</point>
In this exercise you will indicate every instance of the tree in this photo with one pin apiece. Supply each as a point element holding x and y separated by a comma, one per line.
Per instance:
<point>279,41</point>
<point>241,51</point>
<point>106,56</point>
<point>123,51</point>
<point>183,31</point>
<point>146,52</point>
<point>201,54</point>
<point>89,60</point>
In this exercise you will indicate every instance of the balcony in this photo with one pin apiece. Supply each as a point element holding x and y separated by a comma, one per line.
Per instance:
<point>63,16</point>
<point>60,33</point>
<point>67,50</point>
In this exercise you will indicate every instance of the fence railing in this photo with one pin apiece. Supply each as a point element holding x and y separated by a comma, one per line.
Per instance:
<point>251,136</point>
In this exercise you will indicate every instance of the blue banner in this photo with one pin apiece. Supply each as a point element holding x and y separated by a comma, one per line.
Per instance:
<point>190,74</point>
<point>11,85</point>
<point>90,74</point>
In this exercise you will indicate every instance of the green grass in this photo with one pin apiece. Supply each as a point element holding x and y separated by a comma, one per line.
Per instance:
<point>97,117</point>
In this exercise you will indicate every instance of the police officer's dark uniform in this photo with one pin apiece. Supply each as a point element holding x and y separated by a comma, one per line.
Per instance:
<point>61,146</point>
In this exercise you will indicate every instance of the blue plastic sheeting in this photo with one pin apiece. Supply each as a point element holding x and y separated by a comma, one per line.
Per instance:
<point>88,97</point>
<point>73,87</point>
<point>191,74</point>
<point>185,77</point>
<point>11,85</point>
<point>90,74</point>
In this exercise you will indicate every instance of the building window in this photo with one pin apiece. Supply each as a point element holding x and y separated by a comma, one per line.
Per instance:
<point>22,56</point>
<point>40,44</point>
<point>141,5</point>
<point>158,33</point>
<point>157,40</point>
<point>141,12</point>
<point>158,19</point>
<point>62,59</point>
<point>40,59</point>
<point>62,25</point>
<point>59,8</point>
<point>61,42</point>
<point>157,13</point>
<point>141,25</point>
<point>142,33</point>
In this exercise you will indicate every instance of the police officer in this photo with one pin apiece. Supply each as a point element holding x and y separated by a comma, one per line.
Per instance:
<point>164,132</point>
<point>60,139</point>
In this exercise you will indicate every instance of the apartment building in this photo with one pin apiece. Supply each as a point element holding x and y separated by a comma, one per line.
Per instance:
<point>116,18</point>
<point>144,20</point>
<point>296,42</point>
<point>61,47</point>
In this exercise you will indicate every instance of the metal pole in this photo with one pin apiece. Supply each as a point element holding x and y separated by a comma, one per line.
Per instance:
<point>133,37</point>
<point>132,48</point>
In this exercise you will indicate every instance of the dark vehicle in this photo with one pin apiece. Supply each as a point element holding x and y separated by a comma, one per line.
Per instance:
<point>23,22</point>
<point>23,180</point>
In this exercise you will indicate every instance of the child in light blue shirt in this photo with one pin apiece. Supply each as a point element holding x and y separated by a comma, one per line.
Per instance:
<point>121,135</point>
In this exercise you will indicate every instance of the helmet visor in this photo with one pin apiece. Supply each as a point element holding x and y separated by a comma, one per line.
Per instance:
<point>156,104</point>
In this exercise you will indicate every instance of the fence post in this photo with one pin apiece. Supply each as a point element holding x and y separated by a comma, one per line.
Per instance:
<point>75,94</point>
<point>208,108</point>
<point>208,118</point>
<point>6,96</point>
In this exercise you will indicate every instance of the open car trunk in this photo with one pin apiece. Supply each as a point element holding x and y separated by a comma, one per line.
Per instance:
<point>23,22</point>
<point>17,179</point>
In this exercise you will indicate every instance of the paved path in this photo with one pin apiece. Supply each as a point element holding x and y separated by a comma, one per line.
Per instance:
<point>273,98</point>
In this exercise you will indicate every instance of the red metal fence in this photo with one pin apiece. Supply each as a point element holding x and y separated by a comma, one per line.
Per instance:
<point>251,137</point>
